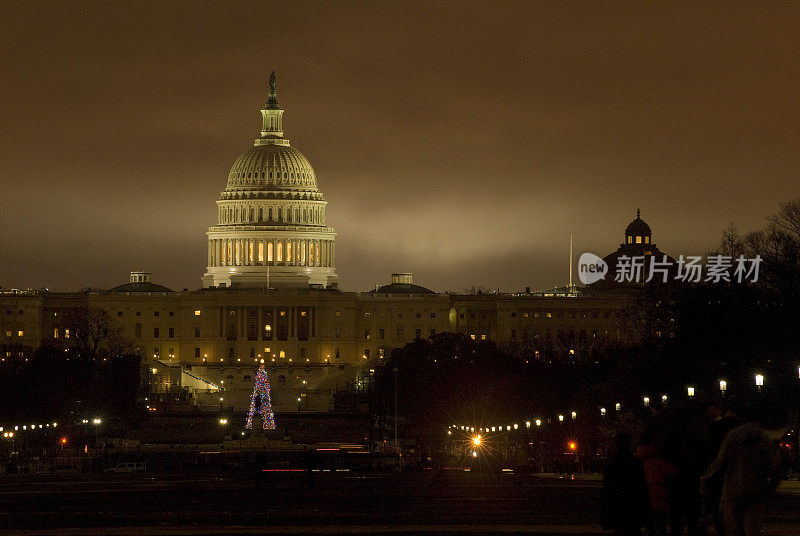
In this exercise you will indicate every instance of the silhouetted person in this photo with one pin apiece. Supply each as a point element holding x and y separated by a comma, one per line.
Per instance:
<point>750,466</point>
<point>656,471</point>
<point>686,450</point>
<point>625,506</point>
<point>712,486</point>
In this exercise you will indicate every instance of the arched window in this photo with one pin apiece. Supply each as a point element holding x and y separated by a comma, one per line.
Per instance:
<point>260,251</point>
<point>305,216</point>
<point>297,214</point>
<point>279,215</point>
<point>269,252</point>
<point>311,253</point>
<point>260,214</point>
<point>289,251</point>
<point>252,214</point>
<point>269,214</point>
<point>280,249</point>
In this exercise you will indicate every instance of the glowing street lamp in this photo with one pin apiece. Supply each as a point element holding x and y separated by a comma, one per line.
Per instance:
<point>617,406</point>
<point>560,418</point>
<point>602,411</point>
<point>476,440</point>
<point>664,399</point>
<point>538,422</point>
<point>723,386</point>
<point>759,381</point>
<point>527,424</point>
<point>574,415</point>
<point>690,392</point>
<point>646,401</point>
<point>97,421</point>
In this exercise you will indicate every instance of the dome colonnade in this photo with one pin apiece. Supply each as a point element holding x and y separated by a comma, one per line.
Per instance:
<point>271,226</point>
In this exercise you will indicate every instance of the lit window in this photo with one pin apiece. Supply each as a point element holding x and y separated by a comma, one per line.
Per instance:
<point>20,333</point>
<point>549,315</point>
<point>472,336</point>
<point>630,240</point>
<point>483,337</point>
<point>366,315</point>
<point>338,313</point>
<point>269,246</point>
<point>638,239</point>
<point>55,333</point>
<point>289,251</point>
<point>282,353</point>
<point>8,333</point>
<point>197,312</point>
<point>280,252</point>
<point>260,252</point>
<point>250,253</point>
<point>646,239</point>
<point>66,334</point>
<point>303,313</point>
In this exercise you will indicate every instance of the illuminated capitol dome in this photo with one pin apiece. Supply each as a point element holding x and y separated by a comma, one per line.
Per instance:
<point>271,217</point>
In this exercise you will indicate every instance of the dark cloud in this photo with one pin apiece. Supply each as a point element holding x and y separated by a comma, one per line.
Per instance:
<point>462,141</point>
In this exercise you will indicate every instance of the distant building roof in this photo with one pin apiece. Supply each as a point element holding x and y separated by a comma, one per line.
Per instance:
<point>402,283</point>
<point>140,287</point>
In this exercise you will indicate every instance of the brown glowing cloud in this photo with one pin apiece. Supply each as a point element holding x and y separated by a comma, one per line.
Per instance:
<point>462,141</point>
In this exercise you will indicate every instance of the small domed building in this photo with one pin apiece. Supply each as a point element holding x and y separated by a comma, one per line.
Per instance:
<point>271,228</point>
<point>638,242</point>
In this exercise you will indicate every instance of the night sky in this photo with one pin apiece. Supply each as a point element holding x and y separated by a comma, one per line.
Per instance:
<point>460,141</point>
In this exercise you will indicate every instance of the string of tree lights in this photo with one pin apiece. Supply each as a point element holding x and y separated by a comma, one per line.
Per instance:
<point>261,401</point>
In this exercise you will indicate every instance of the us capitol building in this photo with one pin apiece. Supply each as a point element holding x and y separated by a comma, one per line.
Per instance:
<point>270,295</point>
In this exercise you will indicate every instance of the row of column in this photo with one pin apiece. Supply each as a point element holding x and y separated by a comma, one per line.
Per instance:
<point>270,252</point>
<point>306,215</point>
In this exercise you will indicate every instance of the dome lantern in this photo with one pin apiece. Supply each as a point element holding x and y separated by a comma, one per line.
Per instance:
<point>637,231</point>
<point>271,114</point>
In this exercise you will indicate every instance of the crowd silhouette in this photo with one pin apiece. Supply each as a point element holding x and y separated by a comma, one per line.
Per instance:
<point>697,473</point>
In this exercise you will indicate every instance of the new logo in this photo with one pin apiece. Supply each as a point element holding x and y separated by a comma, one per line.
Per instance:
<point>591,268</point>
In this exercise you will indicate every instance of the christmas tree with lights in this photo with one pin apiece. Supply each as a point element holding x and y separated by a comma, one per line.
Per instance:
<point>261,402</point>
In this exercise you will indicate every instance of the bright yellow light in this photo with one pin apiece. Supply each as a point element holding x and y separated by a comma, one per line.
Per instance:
<point>476,440</point>
<point>573,445</point>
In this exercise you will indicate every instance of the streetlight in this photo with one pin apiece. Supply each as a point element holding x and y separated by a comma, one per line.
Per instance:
<point>690,392</point>
<point>646,401</point>
<point>574,415</point>
<point>723,386</point>
<point>538,422</point>
<point>664,399</point>
<point>560,418</point>
<point>602,411</point>
<point>759,382</point>
<point>617,406</point>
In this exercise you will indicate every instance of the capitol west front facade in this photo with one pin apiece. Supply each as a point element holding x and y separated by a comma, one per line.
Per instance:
<point>270,296</point>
